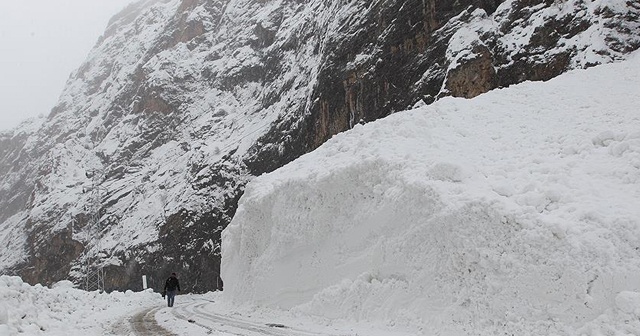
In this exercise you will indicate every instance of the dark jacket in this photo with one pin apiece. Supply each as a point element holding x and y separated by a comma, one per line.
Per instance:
<point>172,284</point>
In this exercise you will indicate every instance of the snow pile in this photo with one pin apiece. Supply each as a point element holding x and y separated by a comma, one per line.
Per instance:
<point>516,211</point>
<point>64,310</point>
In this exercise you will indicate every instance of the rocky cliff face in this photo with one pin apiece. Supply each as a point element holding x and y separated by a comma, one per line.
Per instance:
<point>140,165</point>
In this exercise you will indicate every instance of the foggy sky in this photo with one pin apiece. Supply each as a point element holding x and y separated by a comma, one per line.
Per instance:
<point>41,43</point>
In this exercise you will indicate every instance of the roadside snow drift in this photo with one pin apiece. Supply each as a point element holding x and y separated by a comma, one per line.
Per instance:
<point>64,310</point>
<point>516,211</point>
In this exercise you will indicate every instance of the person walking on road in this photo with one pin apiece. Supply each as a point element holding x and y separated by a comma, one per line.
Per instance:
<point>170,286</point>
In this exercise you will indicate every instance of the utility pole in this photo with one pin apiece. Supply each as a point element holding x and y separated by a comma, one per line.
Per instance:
<point>94,274</point>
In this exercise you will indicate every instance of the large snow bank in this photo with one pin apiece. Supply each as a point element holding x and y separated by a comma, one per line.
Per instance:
<point>64,310</point>
<point>515,211</point>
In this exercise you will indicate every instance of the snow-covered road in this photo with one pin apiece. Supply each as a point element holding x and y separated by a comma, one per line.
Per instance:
<point>201,314</point>
<point>198,315</point>
<point>144,323</point>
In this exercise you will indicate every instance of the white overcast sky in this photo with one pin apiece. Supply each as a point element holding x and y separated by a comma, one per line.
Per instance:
<point>41,43</point>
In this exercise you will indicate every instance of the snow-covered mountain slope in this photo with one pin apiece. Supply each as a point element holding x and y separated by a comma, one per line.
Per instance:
<point>515,212</point>
<point>182,102</point>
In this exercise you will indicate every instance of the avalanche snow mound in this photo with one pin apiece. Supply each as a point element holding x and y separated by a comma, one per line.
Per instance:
<point>63,309</point>
<point>513,211</point>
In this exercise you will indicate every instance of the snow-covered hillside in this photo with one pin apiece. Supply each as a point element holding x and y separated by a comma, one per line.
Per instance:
<point>516,212</point>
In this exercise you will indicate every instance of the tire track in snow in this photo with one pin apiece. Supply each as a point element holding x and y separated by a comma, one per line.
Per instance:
<point>144,323</point>
<point>197,313</point>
